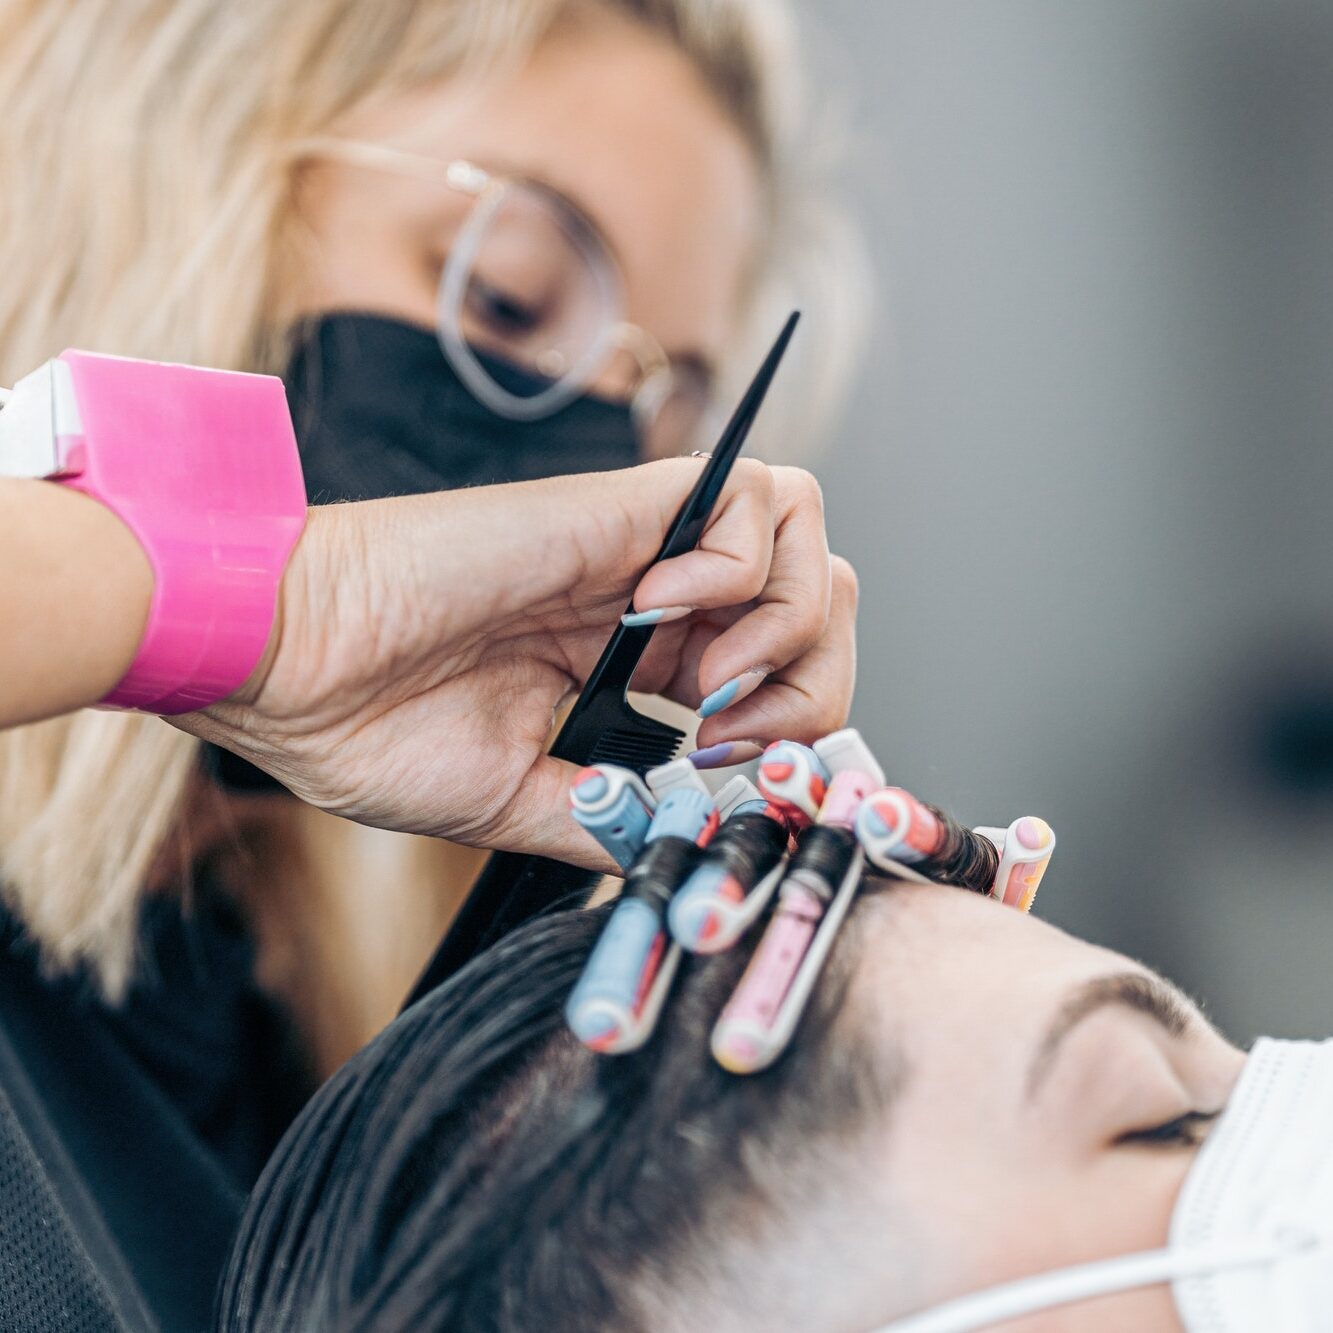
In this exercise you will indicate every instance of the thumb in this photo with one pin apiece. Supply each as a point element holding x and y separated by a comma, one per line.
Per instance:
<point>538,820</point>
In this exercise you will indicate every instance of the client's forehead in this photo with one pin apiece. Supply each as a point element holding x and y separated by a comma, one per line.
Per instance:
<point>923,931</point>
<point>955,981</point>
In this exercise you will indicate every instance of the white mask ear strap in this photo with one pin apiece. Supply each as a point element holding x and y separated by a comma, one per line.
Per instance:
<point>1067,1285</point>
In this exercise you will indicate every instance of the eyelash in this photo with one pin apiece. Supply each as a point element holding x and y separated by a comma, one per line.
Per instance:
<point>1185,1131</point>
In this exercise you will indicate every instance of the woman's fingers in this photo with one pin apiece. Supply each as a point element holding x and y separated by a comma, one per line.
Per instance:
<point>426,640</point>
<point>724,654</point>
<point>807,698</point>
<point>791,610</point>
<point>731,563</point>
<point>779,663</point>
<point>772,642</point>
<point>766,555</point>
<point>537,819</point>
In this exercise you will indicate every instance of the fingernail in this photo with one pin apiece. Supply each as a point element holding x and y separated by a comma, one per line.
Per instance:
<point>657,616</point>
<point>726,753</point>
<point>736,689</point>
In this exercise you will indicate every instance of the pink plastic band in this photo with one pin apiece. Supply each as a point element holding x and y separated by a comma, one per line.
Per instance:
<point>202,466</point>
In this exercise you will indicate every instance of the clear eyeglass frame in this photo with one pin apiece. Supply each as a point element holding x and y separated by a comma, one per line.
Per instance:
<point>656,383</point>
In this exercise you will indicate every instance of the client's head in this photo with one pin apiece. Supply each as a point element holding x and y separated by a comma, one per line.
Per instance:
<point>971,1096</point>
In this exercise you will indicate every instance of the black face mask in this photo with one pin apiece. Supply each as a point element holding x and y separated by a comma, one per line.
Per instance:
<point>379,411</point>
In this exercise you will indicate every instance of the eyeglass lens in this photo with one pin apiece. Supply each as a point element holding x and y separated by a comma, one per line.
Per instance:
<point>529,283</point>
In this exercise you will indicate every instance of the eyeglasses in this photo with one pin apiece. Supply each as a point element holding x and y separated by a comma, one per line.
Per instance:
<point>531,302</point>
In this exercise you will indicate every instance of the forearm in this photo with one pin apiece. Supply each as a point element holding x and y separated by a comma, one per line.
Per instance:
<point>75,588</point>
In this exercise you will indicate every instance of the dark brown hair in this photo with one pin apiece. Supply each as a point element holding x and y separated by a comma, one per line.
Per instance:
<point>475,1168</point>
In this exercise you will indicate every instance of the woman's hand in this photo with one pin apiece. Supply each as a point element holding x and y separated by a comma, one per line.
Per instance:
<point>424,644</point>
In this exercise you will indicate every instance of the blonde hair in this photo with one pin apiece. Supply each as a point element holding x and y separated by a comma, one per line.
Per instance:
<point>145,198</point>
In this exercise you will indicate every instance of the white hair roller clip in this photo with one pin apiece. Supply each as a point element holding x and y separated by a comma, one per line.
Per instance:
<point>1025,849</point>
<point>846,749</point>
<point>673,776</point>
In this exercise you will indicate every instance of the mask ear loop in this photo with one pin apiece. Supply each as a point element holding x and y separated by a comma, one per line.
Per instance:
<point>1126,1272</point>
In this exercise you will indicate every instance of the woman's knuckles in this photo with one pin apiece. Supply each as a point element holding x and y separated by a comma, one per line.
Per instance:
<point>846,585</point>
<point>797,489</point>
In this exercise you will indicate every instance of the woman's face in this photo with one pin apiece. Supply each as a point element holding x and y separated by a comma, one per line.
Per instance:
<point>610,115</point>
<point>1051,1103</point>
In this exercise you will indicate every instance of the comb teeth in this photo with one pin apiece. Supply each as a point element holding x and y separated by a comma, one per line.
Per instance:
<point>640,748</point>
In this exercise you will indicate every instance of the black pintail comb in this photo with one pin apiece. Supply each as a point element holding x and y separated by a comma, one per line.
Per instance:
<point>602,726</point>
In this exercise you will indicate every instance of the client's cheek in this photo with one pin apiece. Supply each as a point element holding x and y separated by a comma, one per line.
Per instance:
<point>1124,1202</point>
<point>995,1217</point>
<point>1150,1310</point>
<point>1121,1204</point>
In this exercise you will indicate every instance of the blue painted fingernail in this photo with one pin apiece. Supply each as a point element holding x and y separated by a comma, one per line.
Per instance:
<point>737,688</point>
<point>712,756</point>
<point>657,616</point>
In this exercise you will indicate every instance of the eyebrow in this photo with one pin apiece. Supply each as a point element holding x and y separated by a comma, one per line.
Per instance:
<point>1141,992</point>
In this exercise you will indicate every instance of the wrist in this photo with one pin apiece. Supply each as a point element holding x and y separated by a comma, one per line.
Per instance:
<point>330,566</point>
<point>294,589</point>
<point>74,609</point>
<point>201,466</point>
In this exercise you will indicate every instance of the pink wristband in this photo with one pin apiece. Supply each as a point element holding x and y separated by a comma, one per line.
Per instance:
<point>202,466</point>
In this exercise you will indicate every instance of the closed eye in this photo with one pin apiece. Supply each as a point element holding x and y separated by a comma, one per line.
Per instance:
<point>499,310</point>
<point>1185,1131</point>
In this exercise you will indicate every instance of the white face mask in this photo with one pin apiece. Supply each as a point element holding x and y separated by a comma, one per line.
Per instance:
<point>1251,1241</point>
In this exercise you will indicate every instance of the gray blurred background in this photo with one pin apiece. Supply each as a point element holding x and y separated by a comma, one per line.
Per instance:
<point>1086,476</point>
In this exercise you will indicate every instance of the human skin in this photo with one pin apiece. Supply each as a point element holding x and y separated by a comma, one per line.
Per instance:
<point>618,120</point>
<point>679,199</point>
<point>424,642</point>
<point>583,114</point>
<point>984,1175</point>
<point>677,196</point>
<point>1018,1107</point>
<point>75,609</point>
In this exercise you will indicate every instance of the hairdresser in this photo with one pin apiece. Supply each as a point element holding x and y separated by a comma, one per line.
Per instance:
<point>481,241</point>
